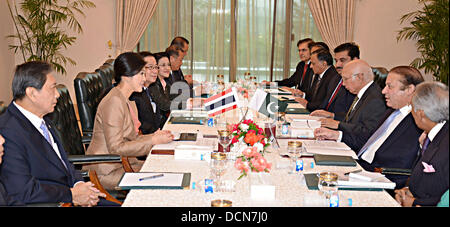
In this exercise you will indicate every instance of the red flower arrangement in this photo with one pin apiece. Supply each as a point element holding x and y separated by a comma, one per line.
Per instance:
<point>250,133</point>
<point>252,158</point>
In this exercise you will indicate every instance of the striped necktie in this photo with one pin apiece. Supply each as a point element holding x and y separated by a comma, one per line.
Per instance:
<point>333,96</point>
<point>351,108</point>
<point>380,132</point>
<point>46,133</point>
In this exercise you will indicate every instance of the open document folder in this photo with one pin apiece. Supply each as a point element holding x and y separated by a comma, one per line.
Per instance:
<point>378,183</point>
<point>154,180</point>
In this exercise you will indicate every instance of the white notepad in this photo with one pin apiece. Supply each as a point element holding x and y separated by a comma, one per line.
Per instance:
<point>168,181</point>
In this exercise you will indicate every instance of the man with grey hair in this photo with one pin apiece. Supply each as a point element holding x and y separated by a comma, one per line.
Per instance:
<point>364,114</point>
<point>430,176</point>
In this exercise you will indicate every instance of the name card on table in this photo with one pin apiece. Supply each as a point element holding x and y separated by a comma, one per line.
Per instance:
<point>261,186</point>
<point>192,152</point>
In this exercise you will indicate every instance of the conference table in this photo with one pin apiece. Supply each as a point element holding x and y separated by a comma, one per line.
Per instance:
<point>290,189</point>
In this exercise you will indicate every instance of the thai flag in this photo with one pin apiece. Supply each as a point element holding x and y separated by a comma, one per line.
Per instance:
<point>222,102</point>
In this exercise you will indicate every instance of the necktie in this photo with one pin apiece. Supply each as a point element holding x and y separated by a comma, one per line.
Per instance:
<point>136,121</point>
<point>368,156</point>
<point>47,137</point>
<point>351,108</point>
<point>333,96</point>
<point>46,133</point>
<point>315,85</point>
<point>304,72</point>
<point>151,100</point>
<point>425,145</point>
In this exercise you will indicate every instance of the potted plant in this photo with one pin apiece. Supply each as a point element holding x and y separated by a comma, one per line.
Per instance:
<point>40,29</point>
<point>429,27</point>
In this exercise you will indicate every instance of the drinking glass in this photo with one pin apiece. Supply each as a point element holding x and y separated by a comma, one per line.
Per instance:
<point>294,152</point>
<point>224,138</point>
<point>218,165</point>
<point>328,183</point>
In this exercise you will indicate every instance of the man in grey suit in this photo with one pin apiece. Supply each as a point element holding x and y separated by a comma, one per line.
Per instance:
<point>430,176</point>
<point>364,114</point>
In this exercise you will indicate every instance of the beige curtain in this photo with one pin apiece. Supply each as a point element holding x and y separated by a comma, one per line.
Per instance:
<point>132,18</point>
<point>334,19</point>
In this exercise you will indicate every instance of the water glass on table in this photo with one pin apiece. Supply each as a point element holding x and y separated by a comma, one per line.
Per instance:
<point>294,152</point>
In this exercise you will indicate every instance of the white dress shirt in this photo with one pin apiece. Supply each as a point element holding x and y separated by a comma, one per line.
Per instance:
<point>369,155</point>
<point>435,130</point>
<point>36,122</point>
<point>360,95</point>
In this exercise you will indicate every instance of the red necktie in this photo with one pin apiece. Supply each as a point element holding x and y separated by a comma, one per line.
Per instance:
<point>304,71</point>
<point>334,95</point>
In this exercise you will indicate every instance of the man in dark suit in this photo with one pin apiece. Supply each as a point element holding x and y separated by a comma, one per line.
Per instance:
<point>430,176</point>
<point>183,44</point>
<point>35,168</point>
<point>324,72</point>
<point>364,114</point>
<point>339,99</point>
<point>395,143</point>
<point>149,113</point>
<point>176,78</point>
<point>5,200</point>
<point>303,71</point>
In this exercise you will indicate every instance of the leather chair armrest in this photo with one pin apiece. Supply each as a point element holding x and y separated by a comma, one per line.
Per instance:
<point>93,159</point>
<point>86,139</point>
<point>394,171</point>
<point>87,133</point>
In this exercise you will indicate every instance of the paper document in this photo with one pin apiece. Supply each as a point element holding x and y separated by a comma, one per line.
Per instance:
<point>350,182</point>
<point>201,143</point>
<point>365,176</point>
<point>168,180</point>
<point>295,106</point>
<point>325,144</point>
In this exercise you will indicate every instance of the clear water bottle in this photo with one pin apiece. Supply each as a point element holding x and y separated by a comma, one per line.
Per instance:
<point>204,185</point>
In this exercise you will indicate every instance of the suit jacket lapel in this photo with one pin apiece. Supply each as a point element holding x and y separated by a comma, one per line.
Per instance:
<point>39,141</point>
<point>398,131</point>
<point>361,102</point>
<point>433,148</point>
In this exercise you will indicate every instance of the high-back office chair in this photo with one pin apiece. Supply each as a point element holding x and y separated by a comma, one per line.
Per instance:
<point>64,122</point>
<point>380,76</point>
<point>89,91</point>
<point>106,73</point>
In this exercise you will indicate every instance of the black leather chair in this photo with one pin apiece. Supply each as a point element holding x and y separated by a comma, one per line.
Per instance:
<point>109,62</point>
<point>89,91</point>
<point>2,107</point>
<point>65,123</point>
<point>380,76</point>
<point>106,73</point>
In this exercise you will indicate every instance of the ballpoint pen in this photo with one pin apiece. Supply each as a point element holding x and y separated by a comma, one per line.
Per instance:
<point>151,177</point>
<point>356,171</point>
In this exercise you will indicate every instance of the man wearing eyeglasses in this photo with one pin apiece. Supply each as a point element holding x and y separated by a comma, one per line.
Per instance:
<point>364,114</point>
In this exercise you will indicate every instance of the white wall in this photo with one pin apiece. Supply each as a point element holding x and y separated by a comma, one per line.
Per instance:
<point>91,49</point>
<point>6,56</point>
<point>376,27</point>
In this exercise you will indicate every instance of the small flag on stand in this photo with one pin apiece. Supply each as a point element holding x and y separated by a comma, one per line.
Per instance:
<point>222,102</point>
<point>266,104</point>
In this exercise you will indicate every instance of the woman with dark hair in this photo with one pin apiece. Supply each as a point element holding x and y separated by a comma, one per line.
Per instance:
<point>160,90</point>
<point>116,126</point>
<point>149,113</point>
